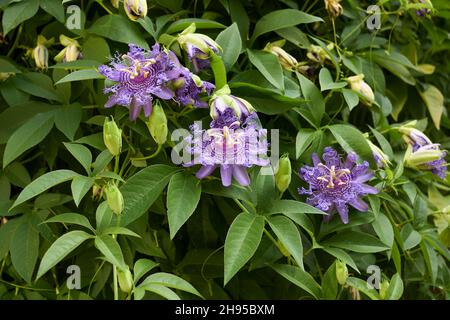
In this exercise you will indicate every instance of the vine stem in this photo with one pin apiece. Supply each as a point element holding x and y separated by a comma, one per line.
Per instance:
<point>150,156</point>
<point>115,282</point>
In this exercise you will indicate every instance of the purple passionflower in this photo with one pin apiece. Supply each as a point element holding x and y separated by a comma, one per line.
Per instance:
<point>233,149</point>
<point>198,47</point>
<point>139,75</point>
<point>335,184</point>
<point>423,154</point>
<point>187,86</point>
<point>227,109</point>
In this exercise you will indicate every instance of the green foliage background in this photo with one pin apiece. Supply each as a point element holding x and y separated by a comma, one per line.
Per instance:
<point>184,238</point>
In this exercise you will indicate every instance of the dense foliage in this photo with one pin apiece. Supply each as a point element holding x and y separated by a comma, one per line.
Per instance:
<point>348,101</point>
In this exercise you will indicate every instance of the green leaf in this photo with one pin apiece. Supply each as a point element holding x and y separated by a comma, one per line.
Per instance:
<point>384,230</point>
<point>356,241</point>
<point>183,195</point>
<point>27,136</point>
<point>434,100</point>
<point>8,66</point>
<point>269,66</point>
<point>54,8</point>
<point>80,75</point>
<point>342,255</point>
<point>37,84</point>
<point>110,248</point>
<point>43,183</point>
<point>303,140</point>
<point>160,290</point>
<point>199,23</point>
<point>118,28</point>
<point>242,240</point>
<point>411,237</point>
<point>280,19</point>
<point>230,40</point>
<point>327,82</point>
<point>289,236</point>
<point>141,267</point>
<point>82,154</point>
<point>142,189</point>
<point>120,230</point>
<point>17,13</point>
<point>67,120</point>
<point>291,206</point>
<point>71,218</point>
<point>103,216</point>
<point>171,281</point>
<point>80,186</point>
<point>362,286</point>
<point>351,98</point>
<point>78,64</point>
<point>300,278</point>
<point>24,250</point>
<point>102,160</point>
<point>351,139</point>
<point>316,103</point>
<point>329,283</point>
<point>395,290</point>
<point>60,249</point>
<point>266,191</point>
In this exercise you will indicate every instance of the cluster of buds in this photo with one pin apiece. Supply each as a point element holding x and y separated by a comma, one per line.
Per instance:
<point>199,47</point>
<point>364,91</point>
<point>135,9</point>
<point>421,153</point>
<point>334,8</point>
<point>40,52</point>
<point>71,51</point>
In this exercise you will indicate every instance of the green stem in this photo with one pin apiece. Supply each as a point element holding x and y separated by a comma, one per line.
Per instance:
<point>116,286</point>
<point>220,73</point>
<point>16,41</point>
<point>150,156</point>
<point>100,2</point>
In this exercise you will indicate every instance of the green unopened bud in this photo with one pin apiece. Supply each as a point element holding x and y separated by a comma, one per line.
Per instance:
<point>135,9</point>
<point>114,198</point>
<point>422,156</point>
<point>112,137</point>
<point>287,61</point>
<point>381,158</point>
<point>283,175</point>
<point>125,280</point>
<point>341,272</point>
<point>384,286</point>
<point>358,85</point>
<point>157,124</point>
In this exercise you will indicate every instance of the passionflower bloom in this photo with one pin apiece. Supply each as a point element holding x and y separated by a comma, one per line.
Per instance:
<point>188,87</point>
<point>335,184</point>
<point>422,154</point>
<point>233,149</point>
<point>226,109</point>
<point>139,75</point>
<point>198,47</point>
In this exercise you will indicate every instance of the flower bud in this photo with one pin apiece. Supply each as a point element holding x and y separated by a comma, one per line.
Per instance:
<point>112,137</point>
<point>71,51</point>
<point>334,8</point>
<point>40,52</point>
<point>5,75</point>
<point>3,221</point>
<point>287,61</point>
<point>114,198</point>
<point>384,286</point>
<point>97,191</point>
<point>157,124</point>
<point>414,136</point>
<point>341,272</point>
<point>125,280</point>
<point>423,155</point>
<point>223,104</point>
<point>135,9</point>
<point>283,175</point>
<point>358,85</point>
<point>381,158</point>
<point>317,54</point>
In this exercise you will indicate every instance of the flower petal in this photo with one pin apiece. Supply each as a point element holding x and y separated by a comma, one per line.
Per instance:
<point>226,173</point>
<point>241,175</point>
<point>205,171</point>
